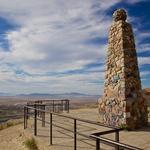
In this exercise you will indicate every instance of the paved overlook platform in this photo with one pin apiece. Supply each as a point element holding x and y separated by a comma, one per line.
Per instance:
<point>13,137</point>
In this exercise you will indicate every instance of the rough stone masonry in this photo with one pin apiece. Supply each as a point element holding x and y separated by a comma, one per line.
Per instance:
<point>122,103</point>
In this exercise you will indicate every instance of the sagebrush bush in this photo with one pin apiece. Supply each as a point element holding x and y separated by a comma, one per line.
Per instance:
<point>31,144</point>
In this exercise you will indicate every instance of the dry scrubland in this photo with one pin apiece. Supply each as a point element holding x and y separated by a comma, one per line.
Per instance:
<point>14,107</point>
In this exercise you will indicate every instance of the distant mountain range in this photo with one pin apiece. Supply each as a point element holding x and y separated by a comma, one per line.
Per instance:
<point>47,95</point>
<point>6,94</point>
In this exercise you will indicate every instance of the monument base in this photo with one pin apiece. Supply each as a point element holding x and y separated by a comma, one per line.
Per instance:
<point>130,113</point>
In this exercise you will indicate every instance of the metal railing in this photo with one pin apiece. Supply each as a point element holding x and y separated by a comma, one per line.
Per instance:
<point>118,145</point>
<point>95,136</point>
<point>53,105</point>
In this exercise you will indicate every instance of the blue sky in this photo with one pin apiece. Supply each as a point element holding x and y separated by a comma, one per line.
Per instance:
<point>59,46</point>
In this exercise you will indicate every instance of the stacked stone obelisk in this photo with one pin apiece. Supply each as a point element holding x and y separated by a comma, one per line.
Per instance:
<point>122,103</point>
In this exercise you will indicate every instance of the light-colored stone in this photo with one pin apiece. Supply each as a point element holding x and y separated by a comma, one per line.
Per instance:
<point>122,77</point>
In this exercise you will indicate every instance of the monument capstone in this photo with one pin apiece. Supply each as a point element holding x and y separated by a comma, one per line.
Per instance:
<point>122,103</point>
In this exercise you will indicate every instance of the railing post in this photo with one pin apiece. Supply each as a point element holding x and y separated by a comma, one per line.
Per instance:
<point>27,116</point>
<point>75,134</point>
<point>97,144</point>
<point>35,120</point>
<point>117,139</point>
<point>24,117</point>
<point>68,106</point>
<point>38,108</point>
<point>43,116</point>
<point>51,123</point>
<point>62,105</point>
<point>40,111</point>
<point>53,105</point>
<point>27,112</point>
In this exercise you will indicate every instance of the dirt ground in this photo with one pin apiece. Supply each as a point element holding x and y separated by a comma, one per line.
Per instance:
<point>12,138</point>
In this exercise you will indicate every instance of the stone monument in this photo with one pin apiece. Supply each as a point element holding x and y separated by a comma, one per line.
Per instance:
<point>122,103</point>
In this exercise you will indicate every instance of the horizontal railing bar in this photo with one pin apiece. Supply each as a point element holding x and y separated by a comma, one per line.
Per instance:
<point>106,132</point>
<point>56,104</point>
<point>63,128</point>
<point>35,104</point>
<point>30,114</point>
<point>82,120</point>
<point>102,139</point>
<point>68,125</point>
<point>84,135</point>
<point>80,125</point>
<point>51,100</point>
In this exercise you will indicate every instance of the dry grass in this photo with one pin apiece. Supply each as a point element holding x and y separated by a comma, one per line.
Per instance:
<point>31,144</point>
<point>10,123</point>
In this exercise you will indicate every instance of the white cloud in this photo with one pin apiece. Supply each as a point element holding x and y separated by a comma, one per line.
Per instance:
<point>52,36</point>
<point>145,73</point>
<point>55,84</point>
<point>144,60</point>
<point>143,47</point>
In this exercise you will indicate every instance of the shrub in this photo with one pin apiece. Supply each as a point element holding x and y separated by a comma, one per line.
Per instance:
<point>31,144</point>
<point>124,127</point>
<point>9,124</point>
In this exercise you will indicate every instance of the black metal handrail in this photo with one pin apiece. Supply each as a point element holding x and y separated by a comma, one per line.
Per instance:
<point>79,119</point>
<point>113,143</point>
<point>94,136</point>
<point>57,105</point>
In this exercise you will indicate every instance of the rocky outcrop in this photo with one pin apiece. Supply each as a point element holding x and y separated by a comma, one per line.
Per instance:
<point>122,102</point>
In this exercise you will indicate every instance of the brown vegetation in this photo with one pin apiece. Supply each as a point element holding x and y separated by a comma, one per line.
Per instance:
<point>10,123</point>
<point>30,144</point>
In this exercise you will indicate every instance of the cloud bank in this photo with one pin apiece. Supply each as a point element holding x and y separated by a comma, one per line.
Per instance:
<point>55,45</point>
